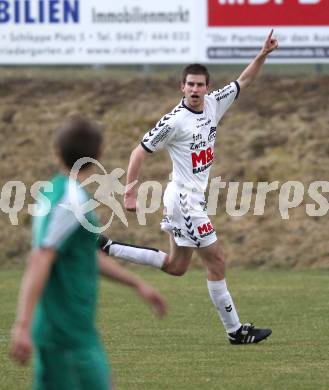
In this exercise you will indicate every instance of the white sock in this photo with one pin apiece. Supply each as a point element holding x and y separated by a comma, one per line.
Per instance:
<point>223,302</point>
<point>136,254</point>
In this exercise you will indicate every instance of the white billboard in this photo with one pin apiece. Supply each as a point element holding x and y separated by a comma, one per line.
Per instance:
<point>97,31</point>
<point>150,32</point>
<point>235,30</point>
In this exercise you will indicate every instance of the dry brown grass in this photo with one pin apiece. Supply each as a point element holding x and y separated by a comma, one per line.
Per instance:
<point>277,131</point>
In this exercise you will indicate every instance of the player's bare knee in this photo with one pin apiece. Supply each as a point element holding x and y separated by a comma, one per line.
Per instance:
<point>177,271</point>
<point>180,271</point>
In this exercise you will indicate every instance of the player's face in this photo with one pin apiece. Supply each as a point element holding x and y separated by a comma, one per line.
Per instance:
<point>194,89</point>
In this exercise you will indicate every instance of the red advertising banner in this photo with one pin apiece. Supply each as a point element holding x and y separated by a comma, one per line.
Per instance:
<point>268,13</point>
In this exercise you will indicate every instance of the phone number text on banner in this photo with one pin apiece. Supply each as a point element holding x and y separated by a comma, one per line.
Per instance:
<point>96,31</point>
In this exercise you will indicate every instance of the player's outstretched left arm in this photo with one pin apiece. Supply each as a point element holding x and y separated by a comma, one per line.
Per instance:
<point>252,70</point>
<point>111,269</point>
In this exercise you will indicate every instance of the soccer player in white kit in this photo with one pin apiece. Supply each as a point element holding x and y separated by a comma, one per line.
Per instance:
<point>188,133</point>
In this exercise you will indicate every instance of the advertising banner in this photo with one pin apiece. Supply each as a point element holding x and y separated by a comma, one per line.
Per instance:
<point>152,32</point>
<point>97,31</point>
<point>237,28</point>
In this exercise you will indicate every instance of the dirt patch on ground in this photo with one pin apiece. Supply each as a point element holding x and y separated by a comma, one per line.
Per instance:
<point>277,131</point>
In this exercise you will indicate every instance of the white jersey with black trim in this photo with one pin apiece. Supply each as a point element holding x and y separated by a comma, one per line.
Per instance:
<point>189,136</point>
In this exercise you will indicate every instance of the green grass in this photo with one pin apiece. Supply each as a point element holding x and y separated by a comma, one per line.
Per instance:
<point>188,349</point>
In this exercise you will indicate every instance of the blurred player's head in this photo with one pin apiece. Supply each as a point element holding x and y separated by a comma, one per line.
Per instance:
<point>78,137</point>
<point>195,82</point>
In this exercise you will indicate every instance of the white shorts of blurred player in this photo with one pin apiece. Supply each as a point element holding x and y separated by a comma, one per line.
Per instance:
<point>186,216</point>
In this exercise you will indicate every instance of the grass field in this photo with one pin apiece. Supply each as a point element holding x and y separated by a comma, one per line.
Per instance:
<point>188,349</point>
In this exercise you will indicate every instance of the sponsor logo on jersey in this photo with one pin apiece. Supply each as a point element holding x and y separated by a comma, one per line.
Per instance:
<point>224,94</point>
<point>197,137</point>
<point>160,136</point>
<point>205,229</point>
<point>202,160</point>
<point>197,143</point>
<point>203,124</point>
<point>212,134</point>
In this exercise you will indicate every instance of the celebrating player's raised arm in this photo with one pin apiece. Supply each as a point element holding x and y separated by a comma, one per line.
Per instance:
<point>252,70</point>
<point>135,163</point>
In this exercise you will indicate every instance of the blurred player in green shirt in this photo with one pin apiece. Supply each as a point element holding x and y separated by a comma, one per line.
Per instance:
<point>57,303</point>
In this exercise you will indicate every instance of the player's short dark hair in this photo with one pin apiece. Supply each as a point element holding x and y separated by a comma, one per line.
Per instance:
<point>195,69</point>
<point>78,137</point>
